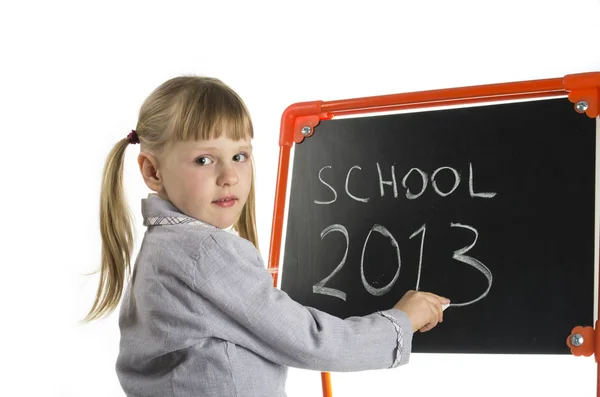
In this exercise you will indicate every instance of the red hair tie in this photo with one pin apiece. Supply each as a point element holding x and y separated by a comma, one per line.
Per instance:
<point>132,137</point>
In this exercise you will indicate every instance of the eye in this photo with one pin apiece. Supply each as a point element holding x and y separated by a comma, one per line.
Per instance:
<point>203,161</point>
<point>241,157</point>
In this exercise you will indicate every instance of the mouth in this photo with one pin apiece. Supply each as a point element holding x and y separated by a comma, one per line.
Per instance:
<point>226,201</point>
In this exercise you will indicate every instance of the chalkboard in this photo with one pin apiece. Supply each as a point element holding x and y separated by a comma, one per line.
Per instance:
<point>491,205</point>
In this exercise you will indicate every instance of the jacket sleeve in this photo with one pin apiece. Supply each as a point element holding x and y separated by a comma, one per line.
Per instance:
<point>250,312</point>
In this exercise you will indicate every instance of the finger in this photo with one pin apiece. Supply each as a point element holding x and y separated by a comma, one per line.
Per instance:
<point>427,327</point>
<point>436,308</point>
<point>433,312</point>
<point>438,300</point>
<point>444,300</point>
<point>433,316</point>
<point>439,311</point>
<point>441,299</point>
<point>433,319</point>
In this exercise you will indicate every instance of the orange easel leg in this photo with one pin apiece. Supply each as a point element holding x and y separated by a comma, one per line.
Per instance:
<point>326,382</point>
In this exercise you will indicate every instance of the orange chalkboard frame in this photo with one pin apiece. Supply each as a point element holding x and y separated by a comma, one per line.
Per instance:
<point>299,120</point>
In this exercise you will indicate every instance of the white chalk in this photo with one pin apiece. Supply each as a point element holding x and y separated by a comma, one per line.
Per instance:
<point>444,307</point>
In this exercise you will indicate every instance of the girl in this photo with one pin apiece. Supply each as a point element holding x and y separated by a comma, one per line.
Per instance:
<point>200,316</point>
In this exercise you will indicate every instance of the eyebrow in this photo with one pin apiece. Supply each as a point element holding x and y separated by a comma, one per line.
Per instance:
<point>245,147</point>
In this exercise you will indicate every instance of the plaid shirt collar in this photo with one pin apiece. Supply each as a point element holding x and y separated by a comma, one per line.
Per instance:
<point>158,212</point>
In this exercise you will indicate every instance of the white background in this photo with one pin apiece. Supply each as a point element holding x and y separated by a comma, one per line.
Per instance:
<point>74,74</point>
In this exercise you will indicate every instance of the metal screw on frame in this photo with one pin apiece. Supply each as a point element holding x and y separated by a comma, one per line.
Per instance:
<point>305,130</point>
<point>581,106</point>
<point>577,339</point>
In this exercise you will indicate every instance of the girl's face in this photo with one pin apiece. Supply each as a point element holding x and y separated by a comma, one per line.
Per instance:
<point>208,180</point>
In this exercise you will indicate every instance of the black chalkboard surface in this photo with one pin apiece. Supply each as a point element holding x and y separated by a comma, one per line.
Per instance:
<point>491,206</point>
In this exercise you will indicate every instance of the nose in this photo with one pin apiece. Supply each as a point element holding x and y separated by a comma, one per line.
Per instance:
<point>227,176</point>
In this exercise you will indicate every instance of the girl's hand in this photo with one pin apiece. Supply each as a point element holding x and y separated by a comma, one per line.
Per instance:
<point>424,309</point>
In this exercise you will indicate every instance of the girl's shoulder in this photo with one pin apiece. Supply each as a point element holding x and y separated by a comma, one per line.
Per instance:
<point>193,240</point>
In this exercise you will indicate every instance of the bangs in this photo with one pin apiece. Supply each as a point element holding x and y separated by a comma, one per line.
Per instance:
<point>209,110</point>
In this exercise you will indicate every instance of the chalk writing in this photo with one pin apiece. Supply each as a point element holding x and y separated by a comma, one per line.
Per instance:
<point>372,290</point>
<point>326,184</point>
<point>423,229</point>
<point>424,179</point>
<point>320,288</point>
<point>458,255</point>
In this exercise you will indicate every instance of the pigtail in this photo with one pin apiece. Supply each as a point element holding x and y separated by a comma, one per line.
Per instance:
<point>117,235</point>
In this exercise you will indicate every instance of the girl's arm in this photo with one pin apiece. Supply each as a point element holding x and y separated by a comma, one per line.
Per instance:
<point>247,310</point>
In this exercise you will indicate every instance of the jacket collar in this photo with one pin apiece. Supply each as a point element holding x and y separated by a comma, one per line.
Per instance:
<point>157,212</point>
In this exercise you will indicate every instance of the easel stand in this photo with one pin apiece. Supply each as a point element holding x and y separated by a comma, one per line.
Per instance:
<point>299,120</point>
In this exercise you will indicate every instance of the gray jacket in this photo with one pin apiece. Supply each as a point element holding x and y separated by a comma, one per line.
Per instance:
<point>201,318</point>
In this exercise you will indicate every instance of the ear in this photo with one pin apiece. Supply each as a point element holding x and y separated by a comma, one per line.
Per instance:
<point>149,168</point>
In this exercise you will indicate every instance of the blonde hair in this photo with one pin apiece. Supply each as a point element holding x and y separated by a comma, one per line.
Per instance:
<point>182,108</point>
